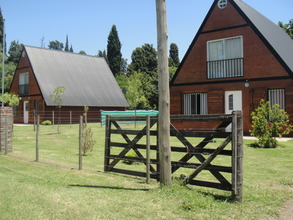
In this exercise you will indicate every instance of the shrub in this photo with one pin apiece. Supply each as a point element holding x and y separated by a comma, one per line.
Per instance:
<point>88,141</point>
<point>268,123</point>
<point>47,122</point>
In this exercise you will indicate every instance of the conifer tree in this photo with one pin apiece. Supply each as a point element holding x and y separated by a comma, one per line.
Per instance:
<point>114,51</point>
<point>174,55</point>
<point>71,49</point>
<point>1,29</point>
<point>66,44</point>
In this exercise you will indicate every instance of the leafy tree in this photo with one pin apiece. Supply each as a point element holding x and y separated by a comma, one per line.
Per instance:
<point>135,94</point>
<point>174,55</point>
<point>288,28</point>
<point>11,99</point>
<point>9,71</point>
<point>103,54</point>
<point>55,45</point>
<point>144,60</point>
<point>82,52</point>
<point>66,44</point>
<point>268,123</point>
<point>114,51</point>
<point>56,98</point>
<point>15,52</point>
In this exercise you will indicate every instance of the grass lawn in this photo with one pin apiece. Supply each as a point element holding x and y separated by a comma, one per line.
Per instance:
<point>55,189</point>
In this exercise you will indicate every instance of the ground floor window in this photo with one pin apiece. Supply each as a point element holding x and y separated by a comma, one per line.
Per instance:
<point>15,111</point>
<point>196,103</point>
<point>277,96</point>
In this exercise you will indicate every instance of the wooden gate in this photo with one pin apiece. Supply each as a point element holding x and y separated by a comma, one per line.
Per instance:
<point>199,156</point>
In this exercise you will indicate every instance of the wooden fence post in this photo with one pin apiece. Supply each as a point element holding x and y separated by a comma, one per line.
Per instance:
<point>148,159</point>
<point>70,116</point>
<point>6,134</point>
<point>107,143</point>
<point>237,156</point>
<point>53,118</point>
<point>37,138</point>
<point>80,142</point>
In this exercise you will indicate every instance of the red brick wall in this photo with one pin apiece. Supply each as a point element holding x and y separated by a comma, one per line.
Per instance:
<point>258,63</point>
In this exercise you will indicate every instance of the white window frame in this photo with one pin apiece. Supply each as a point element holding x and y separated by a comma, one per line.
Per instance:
<point>190,103</point>
<point>222,73</point>
<point>277,96</point>
<point>23,80</point>
<point>222,4</point>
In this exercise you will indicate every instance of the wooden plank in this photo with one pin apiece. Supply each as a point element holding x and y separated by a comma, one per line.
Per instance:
<point>201,118</point>
<point>134,173</point>
<point>226,187</point>
<point>204,151</point>
<point>130,132</point>
<point>208,134</point>
<point>138,146</point>
<point>208,160</point>
<point>196,165</point>
<point>133,159</point>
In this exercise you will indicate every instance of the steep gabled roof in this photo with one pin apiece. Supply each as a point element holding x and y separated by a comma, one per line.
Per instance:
<point>274,37</point>
<point>88,79</point>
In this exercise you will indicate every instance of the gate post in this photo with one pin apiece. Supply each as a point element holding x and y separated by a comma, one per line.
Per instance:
<point>107,144</point>
<point>237,156</point>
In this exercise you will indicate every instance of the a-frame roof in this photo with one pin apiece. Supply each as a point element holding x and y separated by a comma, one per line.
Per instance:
<point>274,37</point>
<point>88,79</point>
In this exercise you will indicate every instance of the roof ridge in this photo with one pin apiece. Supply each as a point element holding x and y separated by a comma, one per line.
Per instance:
<point>61,51</point>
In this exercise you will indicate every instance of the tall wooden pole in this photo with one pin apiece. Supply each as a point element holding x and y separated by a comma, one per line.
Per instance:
<point>164,96</point>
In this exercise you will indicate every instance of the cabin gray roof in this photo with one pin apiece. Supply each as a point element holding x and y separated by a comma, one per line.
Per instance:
<point>276,38</point>
<point>88,79</point>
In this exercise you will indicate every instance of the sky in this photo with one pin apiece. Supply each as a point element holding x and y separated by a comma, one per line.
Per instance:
<point>88,22</point>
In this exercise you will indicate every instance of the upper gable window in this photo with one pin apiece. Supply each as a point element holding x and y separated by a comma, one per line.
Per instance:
<point>222,4</point>
<point>225,58</point>
<point>23,83</point>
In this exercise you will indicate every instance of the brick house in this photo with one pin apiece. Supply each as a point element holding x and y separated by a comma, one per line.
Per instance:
<point>88,81</point>
<point>237,58</point>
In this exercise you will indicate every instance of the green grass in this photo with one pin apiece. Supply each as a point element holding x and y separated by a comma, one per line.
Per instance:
<point>55,189</point>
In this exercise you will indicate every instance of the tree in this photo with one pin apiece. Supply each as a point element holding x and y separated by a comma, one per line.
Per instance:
<point>55,45</point>
<point>135,94</point>
<point>56,98</point>
<point>11,99</point>
<point>103,54</point>
<point>268,123</point>
<point>14,52</point>
<point>9,73</point>
<point>174,55</point>
<point>66,44</point>
<point>144,60</point>
<point>288,28</point>
<point>71,49</point>
<point>114,51</point>
<point>82,52</point>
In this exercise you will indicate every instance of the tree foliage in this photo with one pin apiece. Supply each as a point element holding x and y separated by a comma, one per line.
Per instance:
<point>114,51</point>
<point>66,44</point>
<point>145,61</point>
<point>55,45</point>
<point>14,52</point>
<point>268,123</point>
<point>11,99</point>
<point>174,55</point>
<point>288,28</point>
<point>56,96</point>
<point>1,29</point>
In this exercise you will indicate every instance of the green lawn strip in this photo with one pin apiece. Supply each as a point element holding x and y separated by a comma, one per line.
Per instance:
<point>55,189</point>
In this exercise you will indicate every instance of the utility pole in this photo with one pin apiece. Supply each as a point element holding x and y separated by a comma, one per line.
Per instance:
<point>164,96</point>
<point>3,62</point>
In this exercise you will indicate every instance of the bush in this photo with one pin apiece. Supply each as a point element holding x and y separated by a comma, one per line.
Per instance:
<point>88,140</point>
<point>47,122</point>
<point>268,123</point>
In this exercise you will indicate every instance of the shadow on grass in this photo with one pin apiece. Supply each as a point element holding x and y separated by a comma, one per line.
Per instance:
<point>108,187</point>
<point>218,197</point>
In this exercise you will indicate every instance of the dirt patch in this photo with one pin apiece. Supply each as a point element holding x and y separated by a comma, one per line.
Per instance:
<point>287,211</point>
